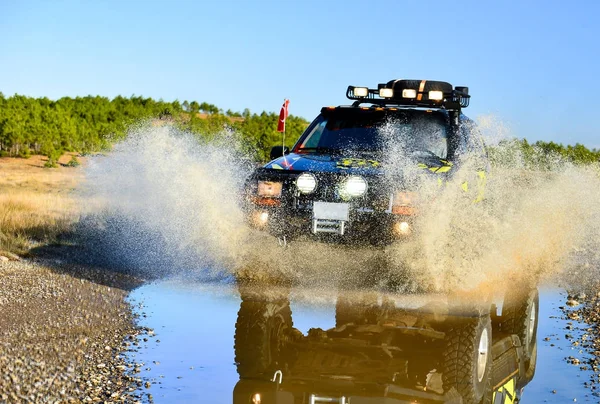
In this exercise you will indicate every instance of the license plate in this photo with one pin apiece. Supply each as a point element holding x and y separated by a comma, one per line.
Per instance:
<point>330,211</point>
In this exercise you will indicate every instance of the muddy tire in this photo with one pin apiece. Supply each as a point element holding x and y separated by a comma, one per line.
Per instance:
<point>520,317</point>
<point>261,333</point>
<point>467,359</point>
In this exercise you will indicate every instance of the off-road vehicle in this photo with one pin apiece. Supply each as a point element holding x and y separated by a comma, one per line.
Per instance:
<point>355,174</point>
<point>383,351</point>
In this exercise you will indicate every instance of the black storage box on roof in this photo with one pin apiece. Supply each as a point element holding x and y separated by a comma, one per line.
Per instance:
<point>421,86</point>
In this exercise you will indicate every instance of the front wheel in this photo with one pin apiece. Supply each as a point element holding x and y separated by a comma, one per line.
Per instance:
<point>261,333</point>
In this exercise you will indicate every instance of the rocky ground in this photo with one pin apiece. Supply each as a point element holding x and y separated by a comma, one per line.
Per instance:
<point>63,334</point>
<point>583,308</point>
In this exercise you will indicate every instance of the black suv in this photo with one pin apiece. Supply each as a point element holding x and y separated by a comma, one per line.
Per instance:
<point>354,176</point>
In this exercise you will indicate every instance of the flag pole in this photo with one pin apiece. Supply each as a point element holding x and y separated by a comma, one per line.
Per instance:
<point>283,133</point>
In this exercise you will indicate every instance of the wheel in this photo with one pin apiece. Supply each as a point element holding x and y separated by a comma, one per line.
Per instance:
<point>520,317</point>
<point>261,333</point>
<point>467,359</point>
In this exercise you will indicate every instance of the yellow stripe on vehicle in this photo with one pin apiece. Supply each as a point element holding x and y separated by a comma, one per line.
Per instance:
<point>421,88</point>
<point>510,388</point>
<point>442,169</point>
<point>508,379</point>
<point>481,183</point>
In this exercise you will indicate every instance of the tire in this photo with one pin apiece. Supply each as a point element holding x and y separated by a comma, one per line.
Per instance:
<point>261,334</point>
<point>462,367</point>
<point>520,313</point>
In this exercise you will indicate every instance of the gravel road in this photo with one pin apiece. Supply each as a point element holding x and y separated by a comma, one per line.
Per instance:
<point>62,333</point>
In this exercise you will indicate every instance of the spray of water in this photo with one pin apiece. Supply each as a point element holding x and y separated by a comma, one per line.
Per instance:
<point>537,221</point>
<point>163,202</point>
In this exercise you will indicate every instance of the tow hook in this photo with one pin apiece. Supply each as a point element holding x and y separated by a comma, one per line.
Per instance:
<point>277,377</point>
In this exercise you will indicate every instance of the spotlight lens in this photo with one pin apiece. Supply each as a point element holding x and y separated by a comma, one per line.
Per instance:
<point>361,91</point>
<point>353,187</point>
<point>386,93</point>
<point>408,93</point>
<point>436,95</point>
<point>306,183</point>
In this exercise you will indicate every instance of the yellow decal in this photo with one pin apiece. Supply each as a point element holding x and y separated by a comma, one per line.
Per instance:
<point>443,169</point>
<point>276,166</point>
<point>359,163</point>
<point>481,183</point>
<point>507,392</point>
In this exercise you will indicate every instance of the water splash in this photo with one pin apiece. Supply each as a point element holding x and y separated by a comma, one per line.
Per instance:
<point>166,202</point>
<point>163,202</point>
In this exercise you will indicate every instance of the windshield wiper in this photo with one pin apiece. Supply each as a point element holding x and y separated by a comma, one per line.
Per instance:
<point>327,150</point>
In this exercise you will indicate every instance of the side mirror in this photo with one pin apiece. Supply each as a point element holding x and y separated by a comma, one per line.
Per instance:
<point>278,151</point>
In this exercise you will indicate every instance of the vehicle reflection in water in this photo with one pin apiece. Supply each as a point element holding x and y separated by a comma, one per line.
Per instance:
<point>382,350</point>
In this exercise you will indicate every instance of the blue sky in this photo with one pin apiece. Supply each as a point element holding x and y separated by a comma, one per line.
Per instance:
<point>534,65</point>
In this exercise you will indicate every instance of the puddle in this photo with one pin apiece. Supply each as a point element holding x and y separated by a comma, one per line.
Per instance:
<point>192,356</point>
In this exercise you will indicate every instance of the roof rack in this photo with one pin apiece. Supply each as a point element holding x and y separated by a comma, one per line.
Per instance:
<point>416,93</point>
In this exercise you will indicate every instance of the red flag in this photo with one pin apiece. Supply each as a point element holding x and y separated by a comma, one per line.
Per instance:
<point>283,114</point>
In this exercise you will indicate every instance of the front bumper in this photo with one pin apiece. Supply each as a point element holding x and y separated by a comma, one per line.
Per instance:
<point>362,226</point>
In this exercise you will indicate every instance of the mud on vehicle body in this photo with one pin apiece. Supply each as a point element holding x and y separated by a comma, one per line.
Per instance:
<point>344,181</point>
<point>383,351</point>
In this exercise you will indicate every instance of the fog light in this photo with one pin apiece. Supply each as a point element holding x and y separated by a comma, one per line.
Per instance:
<point>402,228</point>
<point>260,219</point>
<point>256,399</point>
<point>264,217</point>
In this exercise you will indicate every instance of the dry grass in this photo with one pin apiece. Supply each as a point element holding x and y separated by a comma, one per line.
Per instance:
<point>36,204</point>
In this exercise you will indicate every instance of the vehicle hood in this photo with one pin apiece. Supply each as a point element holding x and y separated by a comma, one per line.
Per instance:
<point>345,164</point>
<point>326,163</point>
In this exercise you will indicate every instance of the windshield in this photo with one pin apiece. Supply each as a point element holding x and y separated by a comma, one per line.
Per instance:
<point>419,132</point>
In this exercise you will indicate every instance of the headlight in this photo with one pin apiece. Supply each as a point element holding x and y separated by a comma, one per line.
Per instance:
<point>353,187</point>
<point>268,188</point>
<point>306,183</point>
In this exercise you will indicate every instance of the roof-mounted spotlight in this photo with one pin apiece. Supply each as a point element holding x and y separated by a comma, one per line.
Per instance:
<point>386,92</point>
<point>409,93</point>
<point>436,95</point>
<point>361,91</point>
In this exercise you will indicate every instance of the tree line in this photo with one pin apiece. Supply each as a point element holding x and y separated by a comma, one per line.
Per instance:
<point>90,124</point>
